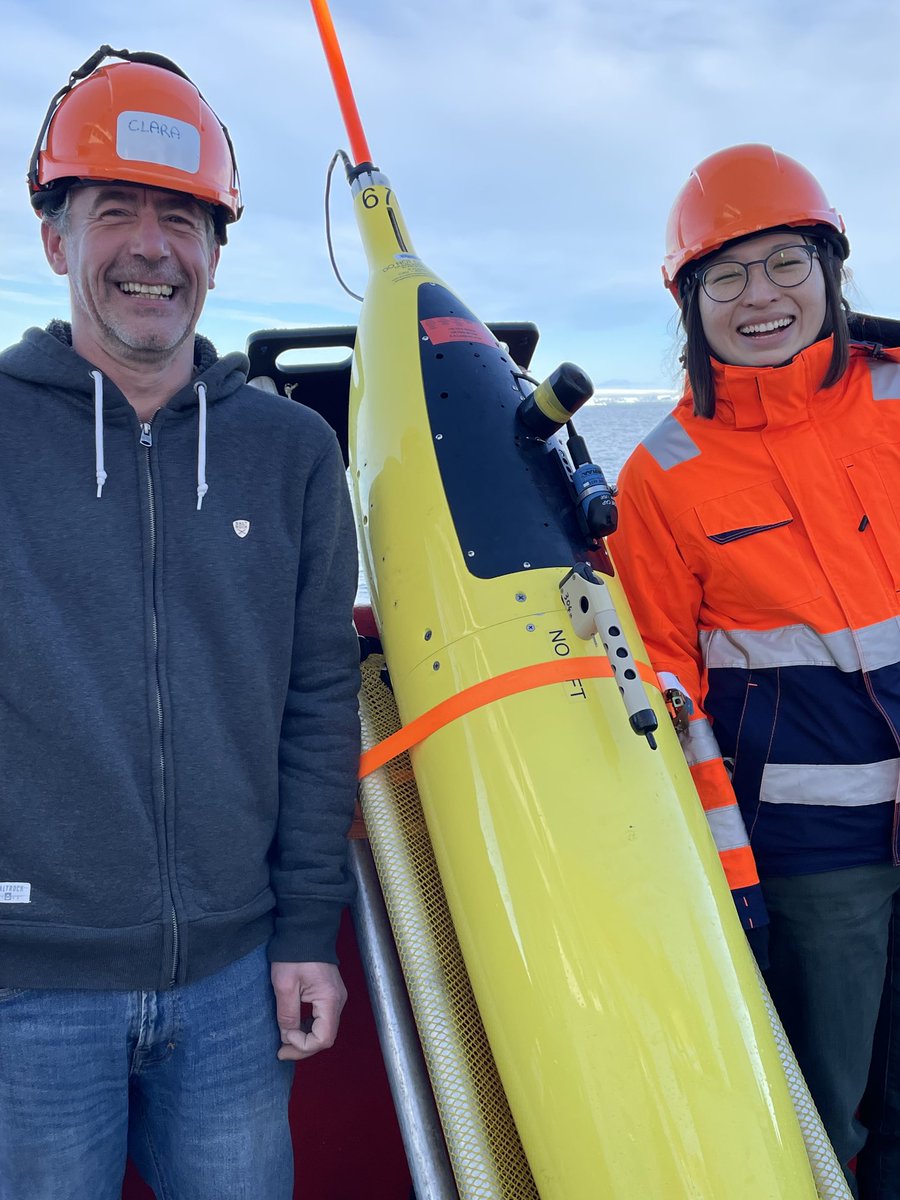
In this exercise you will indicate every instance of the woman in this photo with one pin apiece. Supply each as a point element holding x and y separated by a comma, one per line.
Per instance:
<point>759,543</point>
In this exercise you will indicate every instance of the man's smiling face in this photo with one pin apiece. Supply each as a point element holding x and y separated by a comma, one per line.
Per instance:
<point>140,262</point>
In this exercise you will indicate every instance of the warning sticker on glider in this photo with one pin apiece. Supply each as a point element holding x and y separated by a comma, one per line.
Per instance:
<point>456,329</point>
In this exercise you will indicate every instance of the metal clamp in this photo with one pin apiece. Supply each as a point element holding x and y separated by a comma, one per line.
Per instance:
<point>680,709</point>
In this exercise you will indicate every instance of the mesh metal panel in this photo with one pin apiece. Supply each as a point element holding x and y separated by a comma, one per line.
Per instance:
<point>484,1147</point>
<point>830,1181</point>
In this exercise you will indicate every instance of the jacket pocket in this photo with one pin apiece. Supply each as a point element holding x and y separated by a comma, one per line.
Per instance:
<point>735,535</point>
<point>755,554</point>
<point>873,475</point>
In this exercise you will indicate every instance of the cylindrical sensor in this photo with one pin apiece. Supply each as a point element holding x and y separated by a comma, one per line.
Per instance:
<point>554,401</point>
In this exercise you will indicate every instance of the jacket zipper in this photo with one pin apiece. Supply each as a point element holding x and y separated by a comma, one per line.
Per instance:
<point>147,443</point>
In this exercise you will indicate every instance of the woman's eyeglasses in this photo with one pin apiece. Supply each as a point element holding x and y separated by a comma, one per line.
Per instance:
<point>788,267</point>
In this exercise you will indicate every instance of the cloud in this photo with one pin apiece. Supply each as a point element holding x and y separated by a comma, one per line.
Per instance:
<point>535,145</point>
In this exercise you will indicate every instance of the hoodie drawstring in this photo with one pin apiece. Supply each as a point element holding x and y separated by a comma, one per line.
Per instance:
<point>199,388</point>
<point>98,431</point>
<point>202,489</point>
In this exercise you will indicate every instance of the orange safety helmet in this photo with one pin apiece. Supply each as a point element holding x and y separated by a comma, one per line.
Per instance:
<point>738,192</point>
<point>137,121</point>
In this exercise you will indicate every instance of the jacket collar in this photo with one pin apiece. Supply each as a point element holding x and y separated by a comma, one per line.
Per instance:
<point>754,397</point>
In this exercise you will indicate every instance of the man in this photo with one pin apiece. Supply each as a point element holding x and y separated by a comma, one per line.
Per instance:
<point>178,719</point>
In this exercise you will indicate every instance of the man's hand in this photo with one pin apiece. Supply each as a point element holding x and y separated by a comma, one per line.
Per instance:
<point>320,986</point>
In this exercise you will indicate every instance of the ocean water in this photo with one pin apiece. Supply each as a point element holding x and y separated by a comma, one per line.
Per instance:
<point>612,426</point>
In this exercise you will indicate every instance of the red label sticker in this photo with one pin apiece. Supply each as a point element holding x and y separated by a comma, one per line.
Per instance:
<point>456,329</point>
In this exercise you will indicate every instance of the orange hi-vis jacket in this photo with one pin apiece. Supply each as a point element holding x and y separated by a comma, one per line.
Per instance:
<point>760,550</point>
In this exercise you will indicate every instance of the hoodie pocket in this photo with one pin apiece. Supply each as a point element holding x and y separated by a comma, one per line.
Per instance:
<point>756,556</point>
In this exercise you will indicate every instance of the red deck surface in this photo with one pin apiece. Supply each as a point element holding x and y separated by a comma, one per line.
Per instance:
<point>346,1140</point>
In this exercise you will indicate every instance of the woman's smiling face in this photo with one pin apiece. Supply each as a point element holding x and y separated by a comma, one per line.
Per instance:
<point>766,325</point>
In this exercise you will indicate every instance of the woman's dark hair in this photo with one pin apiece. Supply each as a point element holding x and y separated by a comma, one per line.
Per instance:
<point>697,353</point>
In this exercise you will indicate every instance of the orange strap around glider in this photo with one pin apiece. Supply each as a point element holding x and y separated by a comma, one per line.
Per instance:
<point>523,679</point>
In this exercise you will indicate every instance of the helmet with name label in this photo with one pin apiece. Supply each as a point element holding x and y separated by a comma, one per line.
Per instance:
<point>738,192</point>
<point>135,121</point>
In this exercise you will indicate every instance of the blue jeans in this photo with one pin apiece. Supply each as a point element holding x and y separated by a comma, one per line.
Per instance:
<point>834,976</point>
<point>185,1080</point>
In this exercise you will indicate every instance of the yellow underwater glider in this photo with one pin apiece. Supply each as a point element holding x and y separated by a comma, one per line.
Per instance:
<point>620,1001</point>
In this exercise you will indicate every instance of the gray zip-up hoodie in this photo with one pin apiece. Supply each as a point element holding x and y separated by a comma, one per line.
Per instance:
<point>179,738</point>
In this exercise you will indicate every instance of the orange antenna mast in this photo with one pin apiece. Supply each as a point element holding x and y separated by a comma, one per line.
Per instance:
<point>358,144</point>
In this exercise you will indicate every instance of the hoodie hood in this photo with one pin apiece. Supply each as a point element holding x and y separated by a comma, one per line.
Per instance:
<point>45,357</point>
<point>58,365</point>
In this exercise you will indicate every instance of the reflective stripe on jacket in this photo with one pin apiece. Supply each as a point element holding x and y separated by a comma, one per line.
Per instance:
<point>760,551</point>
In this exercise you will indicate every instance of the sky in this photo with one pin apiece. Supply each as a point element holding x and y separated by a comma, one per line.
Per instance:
<point>535,147</point>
